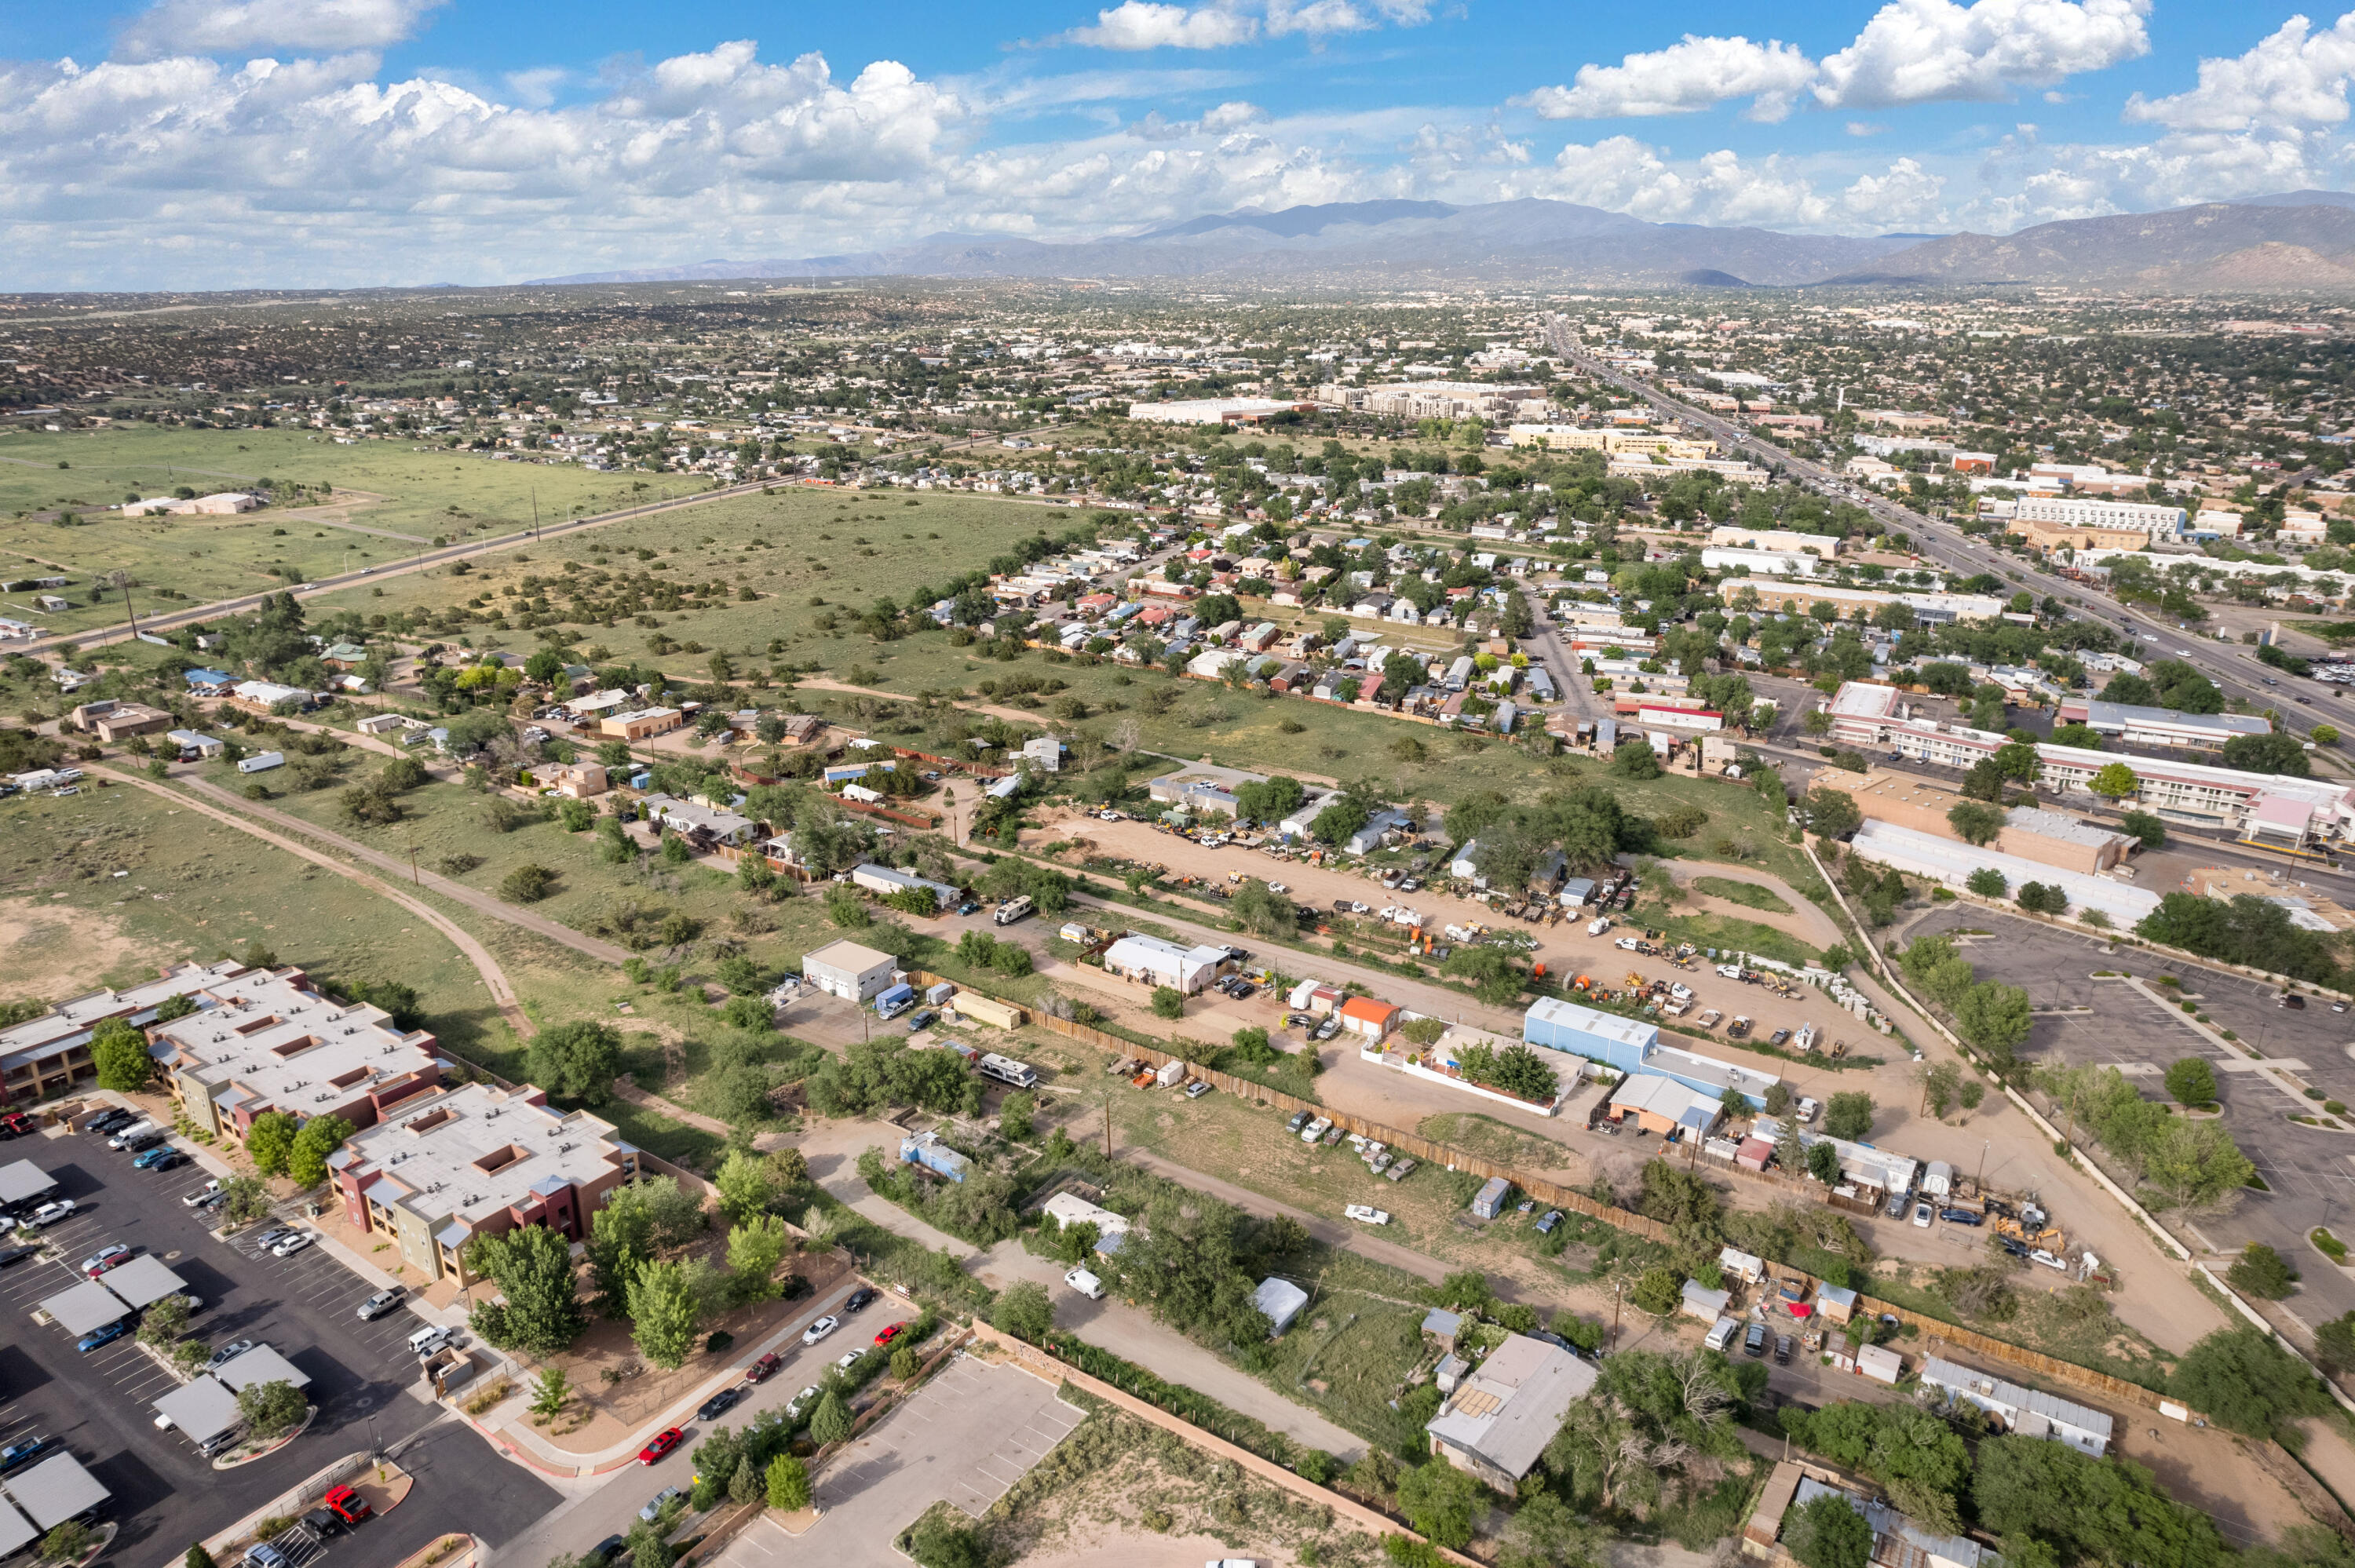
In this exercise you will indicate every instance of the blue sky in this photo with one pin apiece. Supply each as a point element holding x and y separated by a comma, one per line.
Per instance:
<point>236,143</point>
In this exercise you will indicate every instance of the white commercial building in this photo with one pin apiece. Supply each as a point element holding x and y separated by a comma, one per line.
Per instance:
<point>1759,563</point>
<point>2157,520</point>
<point>1950,862</point>
<point>848,970</point>
<point>2027,1412</point>
<point>1149,961</point>
<point>1216,410</point>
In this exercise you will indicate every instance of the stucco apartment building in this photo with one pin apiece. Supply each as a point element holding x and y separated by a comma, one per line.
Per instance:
<point>49,1055</point>
<point>265,1040</point>
<point>477,1160</point>
<point>2049,534</point>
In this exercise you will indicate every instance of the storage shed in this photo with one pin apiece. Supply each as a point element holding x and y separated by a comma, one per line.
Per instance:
<point>1281,1301</point>
<point>1490,1201</point>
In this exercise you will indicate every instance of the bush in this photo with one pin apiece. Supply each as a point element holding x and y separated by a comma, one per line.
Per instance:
<point>2261,1271</point>
<point>527,883</point>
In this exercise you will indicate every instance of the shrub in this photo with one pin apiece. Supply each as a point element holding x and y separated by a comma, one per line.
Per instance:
<point>527,883</point>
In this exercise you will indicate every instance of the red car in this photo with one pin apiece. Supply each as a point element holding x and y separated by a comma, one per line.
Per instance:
<point>347,1504</point>
<point>663,1443</point>
<point>889,1334</point>
<point>762,1370</point>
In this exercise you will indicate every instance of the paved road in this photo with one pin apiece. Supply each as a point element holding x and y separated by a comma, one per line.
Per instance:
<point>2236,673</point>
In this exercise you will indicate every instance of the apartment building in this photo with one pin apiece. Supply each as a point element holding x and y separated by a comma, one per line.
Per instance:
<point>265,1040</point>
<point>47,1056</point>
<point>2151,519</point>
<point>2267,807</point>
<point>477,1160</point>
<point>1859,604</point>
<point>2041,534</point>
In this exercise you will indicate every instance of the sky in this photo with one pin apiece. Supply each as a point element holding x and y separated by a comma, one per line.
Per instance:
<point>238,143</point>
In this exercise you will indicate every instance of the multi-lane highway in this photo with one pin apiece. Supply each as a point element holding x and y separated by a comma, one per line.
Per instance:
<point>2236,672</point>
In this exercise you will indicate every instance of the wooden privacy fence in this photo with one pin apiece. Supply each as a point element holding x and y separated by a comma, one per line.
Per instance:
<point>1554,1195</point>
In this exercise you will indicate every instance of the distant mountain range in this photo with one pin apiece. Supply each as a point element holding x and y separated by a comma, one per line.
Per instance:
<point>2298,241</point>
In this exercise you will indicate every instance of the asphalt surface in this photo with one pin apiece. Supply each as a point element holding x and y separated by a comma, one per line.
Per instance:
<point>362,1378</point>
<point>608,1505</point>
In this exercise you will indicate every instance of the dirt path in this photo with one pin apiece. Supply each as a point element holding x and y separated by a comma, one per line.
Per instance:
<point>826,683</point>
<point>626,1088</point>
<point>493,976</point>
<point>474,898</point>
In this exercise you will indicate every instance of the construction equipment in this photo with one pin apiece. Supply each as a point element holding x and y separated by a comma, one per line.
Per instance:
<point>2050,1238</point>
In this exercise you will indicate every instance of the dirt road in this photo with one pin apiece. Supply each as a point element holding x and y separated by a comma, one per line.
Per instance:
<point>493,976</point>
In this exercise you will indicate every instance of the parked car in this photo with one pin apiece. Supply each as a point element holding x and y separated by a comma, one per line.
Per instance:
<point>104,1258</point>
<point>1753,1343</point>
<point>2290,1000</point>
<point>720,1403</point>
<point>820,1329</point>
<point>287,1247</point>
<point>273,1237</point>
<point>156,1157</point>
<point>1921,1215</point>
<point>1296,1121</point>
<point>1546,1225</point>
<point>105,1336</point>
<point>890,1332</point>
<point>383,1301</point>
<point>1398,1172</point>
<point>858,1300</point>
<point>227,1353</point>
<point>16,1454</point>
<point>664,1442</point>
<point>853,1359</point>
<point>1782,1349</point>
<point>764,1369</point>
<point>1367,1214</point>
<point>607,1550</point>
<point>2049,1260</point>
<point>1961,1217</point>
<point>48,1215</point>
<point>262,1554</point>
<point>803,1402</point>
<point>9,1254</point>
<point>1196,1089</point>
<point>659,1501</point>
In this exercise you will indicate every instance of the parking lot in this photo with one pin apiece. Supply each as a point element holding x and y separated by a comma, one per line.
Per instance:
<point>98,1405</point>
<point>2309,1173</point>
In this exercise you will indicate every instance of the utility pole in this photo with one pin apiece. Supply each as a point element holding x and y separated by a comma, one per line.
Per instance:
<point>1615,1290</point>
<point>413,875</point>
<point>535,513</point>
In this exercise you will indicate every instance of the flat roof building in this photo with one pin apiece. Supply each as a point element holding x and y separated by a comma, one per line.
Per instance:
<point>1634,1048</point>
<point>846,969</point>
<point>2159,726</point>
<point>2028,1411</point>
<point>264,1040</point>
<point>1150,960</point>
<point>478,1161</point>
<point>46,1056</point>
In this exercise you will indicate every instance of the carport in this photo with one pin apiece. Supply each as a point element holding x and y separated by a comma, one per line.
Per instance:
<point>16,1532</point>
<point>143,1281</point>
<point>87,1306</point>
<point>22,1180</point>
<point>259,1365</point>
<point>203,1409</point>
<point>55,1491</point>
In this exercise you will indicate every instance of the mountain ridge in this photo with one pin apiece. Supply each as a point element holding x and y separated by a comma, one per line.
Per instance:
<point>2291,241</point>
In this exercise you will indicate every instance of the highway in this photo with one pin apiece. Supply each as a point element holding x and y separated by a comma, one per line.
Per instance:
<point>2236,672</point>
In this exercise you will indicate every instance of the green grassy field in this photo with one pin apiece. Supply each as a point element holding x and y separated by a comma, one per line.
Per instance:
<point>424,494</point>
<point>1749,895</point>
<point>193,888</point>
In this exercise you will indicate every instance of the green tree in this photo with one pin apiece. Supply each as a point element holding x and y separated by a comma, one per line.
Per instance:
<point>830,1423</point>
<point>747,1183</point>
<point>67,1541</point>
<point>1546,1534</point>
<point>755,1248</point>
<point>2244,1382</point>
<point>541,1310</point>
<point>2050,1504</point>
<point>744,1482</point>
<point>1438,1499</point>
<point>2145,826</point>
<point>2261,1271</point>
<point>665,1313</point>
<point>1987,881</point>
<point>198,1557</point>
<point>1824,1163</point>
<point>2116,782</point>
<point>578,1061</point>
<point>165,1322</point>
<point>1168,1002</point>
<point>2192,1081</point>
<point>1828,1532</point>
<point>2334,1344</point>
<point>1832,813</point>
<point>788,1484</point>
<point>1023,1310</point>
<point>271,1142</point>
<point>552,1393</point>
<point>270,1409</point>
<point>2274,753</point>
<point>306,1159</point>
<point>1995,1018</point>
<point>1849,1116</point>
<point>1977,822</point>
<point>1494,979</point>
<point>119,1052</point>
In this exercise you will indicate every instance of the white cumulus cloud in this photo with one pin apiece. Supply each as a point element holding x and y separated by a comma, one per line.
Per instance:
<point>1682,78</point>
<point>2297,77</point>
<point>1920,51</point>
<point>1147,25</point>
<point>243,26</point>
<point>1911,52</point>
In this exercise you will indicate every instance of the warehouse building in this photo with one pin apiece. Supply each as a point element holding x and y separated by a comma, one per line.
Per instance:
<point>846,969</point>
<point>1633,1049</point>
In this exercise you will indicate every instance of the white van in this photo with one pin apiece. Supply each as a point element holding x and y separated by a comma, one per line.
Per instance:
<point>1721,1334</point>
<point>427,1340</point>
<point>1086,1284</point>
<point>132,1134</point>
